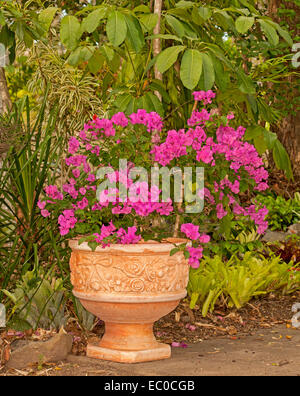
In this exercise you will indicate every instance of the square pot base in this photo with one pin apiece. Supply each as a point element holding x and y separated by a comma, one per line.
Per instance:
<point>162,351</point>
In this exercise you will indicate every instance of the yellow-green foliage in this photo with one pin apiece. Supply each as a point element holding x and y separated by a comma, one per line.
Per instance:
<point>237,281</point>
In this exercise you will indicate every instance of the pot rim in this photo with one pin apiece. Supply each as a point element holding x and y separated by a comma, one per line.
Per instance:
<point>134,298</point>
<point>141,246</point>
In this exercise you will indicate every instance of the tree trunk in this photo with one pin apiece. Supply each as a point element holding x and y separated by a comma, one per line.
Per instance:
<point>288,130</point>
<point>157,41</point>
<point>5,102</point>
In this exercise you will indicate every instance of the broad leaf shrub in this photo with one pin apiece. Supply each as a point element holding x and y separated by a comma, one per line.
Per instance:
<point>37,302</point>
<point>282,212</point>
<point>237,281</point>
<point>231,168</point>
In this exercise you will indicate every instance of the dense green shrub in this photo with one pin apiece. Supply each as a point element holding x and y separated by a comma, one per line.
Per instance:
<point>237,281</point>
<point>282,212</point>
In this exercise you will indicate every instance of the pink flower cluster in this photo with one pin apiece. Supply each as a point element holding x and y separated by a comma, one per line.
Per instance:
<point>140,199</point>
<point>192,232</point>
<point>221,150</point>
<point>239,154</point>
<point>66,221</point>
<point>152,120</point>
<point>204,96</point>
<point>52,192</point>
<point>118,236</point>
<point>258,215</point>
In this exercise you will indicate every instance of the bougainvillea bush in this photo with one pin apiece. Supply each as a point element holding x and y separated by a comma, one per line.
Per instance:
<point>130,208</point>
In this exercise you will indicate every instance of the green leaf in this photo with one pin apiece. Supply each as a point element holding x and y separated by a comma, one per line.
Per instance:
<point>168,57</point>
<point>194,299</point>
<point>157,106</point>
<point>253,132</point>
<point>142,8</point>
<point>282,159</point>
<point>19,324</point>
<point>243,24</point>
<point>260,144</point>
<point>132,106</point>
<point>116,28</point>
<point>176,25</point>
<point>96,62</point>
<point>108,52</point>
<point>2,19</point>
<point>269,32</point>
<point>191,68</point>
<point>284,34</point>
<point>184,4</point>
<point>93,245</point>
<point>46,17</point>
<point>205,13</point>
<point>245,83</point>
<point>7,37</point>
<point>222,77</point>
<point>270,138</point>
<point>70,32</point>
<point>208,75</point>
<point>225,226</point>
<point>174,251</point>
<point>148,21</point>
<point>135,34</point>
<point>81,54</point>
<point>92,21</point>
<point>122,102</point>
<point>19,29</point>
<point>157,85</point>
<point>165,37</point>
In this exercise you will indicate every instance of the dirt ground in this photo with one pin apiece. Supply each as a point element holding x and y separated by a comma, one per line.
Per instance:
<point>256,340</point>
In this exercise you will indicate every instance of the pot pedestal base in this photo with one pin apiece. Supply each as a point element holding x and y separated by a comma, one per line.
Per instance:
<point>162,351</point>
<point>129,343</point>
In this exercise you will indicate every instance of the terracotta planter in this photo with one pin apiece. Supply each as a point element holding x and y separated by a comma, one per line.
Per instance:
<point>129,287</point>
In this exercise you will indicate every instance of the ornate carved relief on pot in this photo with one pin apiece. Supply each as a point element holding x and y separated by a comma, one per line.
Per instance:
<point>118,272</point>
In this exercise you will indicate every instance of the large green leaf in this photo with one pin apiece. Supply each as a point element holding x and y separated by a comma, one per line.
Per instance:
<point>176,25</point>
<point>135,34</point>
<point>269,31</point>
<point>191,68</point>
<point>148,21</point>
<point>123,101</point>
<point>2,19</point>
<point>252,132</point>
<point>168,57</point>
<point>222,77</point>
<point>46,17</point>
<point>208,75</point>
<point>70,32</point>
<point>205,13</point>
<point>96,61</point>
<point>116,28</point>
<point>157,106</point>
<point>246,84</point>
<point>285,35</point>
<point>243,24</point>
<point>81,54</point>
<point>282,159</point>
<point>92,21</point>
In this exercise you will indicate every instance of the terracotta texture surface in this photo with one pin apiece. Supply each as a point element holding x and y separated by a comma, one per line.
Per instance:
<point>129,288</point>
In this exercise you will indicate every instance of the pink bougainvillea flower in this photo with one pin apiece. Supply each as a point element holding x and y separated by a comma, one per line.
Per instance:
<point>191,231</point>
<point>195,255</point>
<point>73,145</point>
<point>41,205</point>
<point>45,213</point>
<point>179,345</point>
<point>204,238</point>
